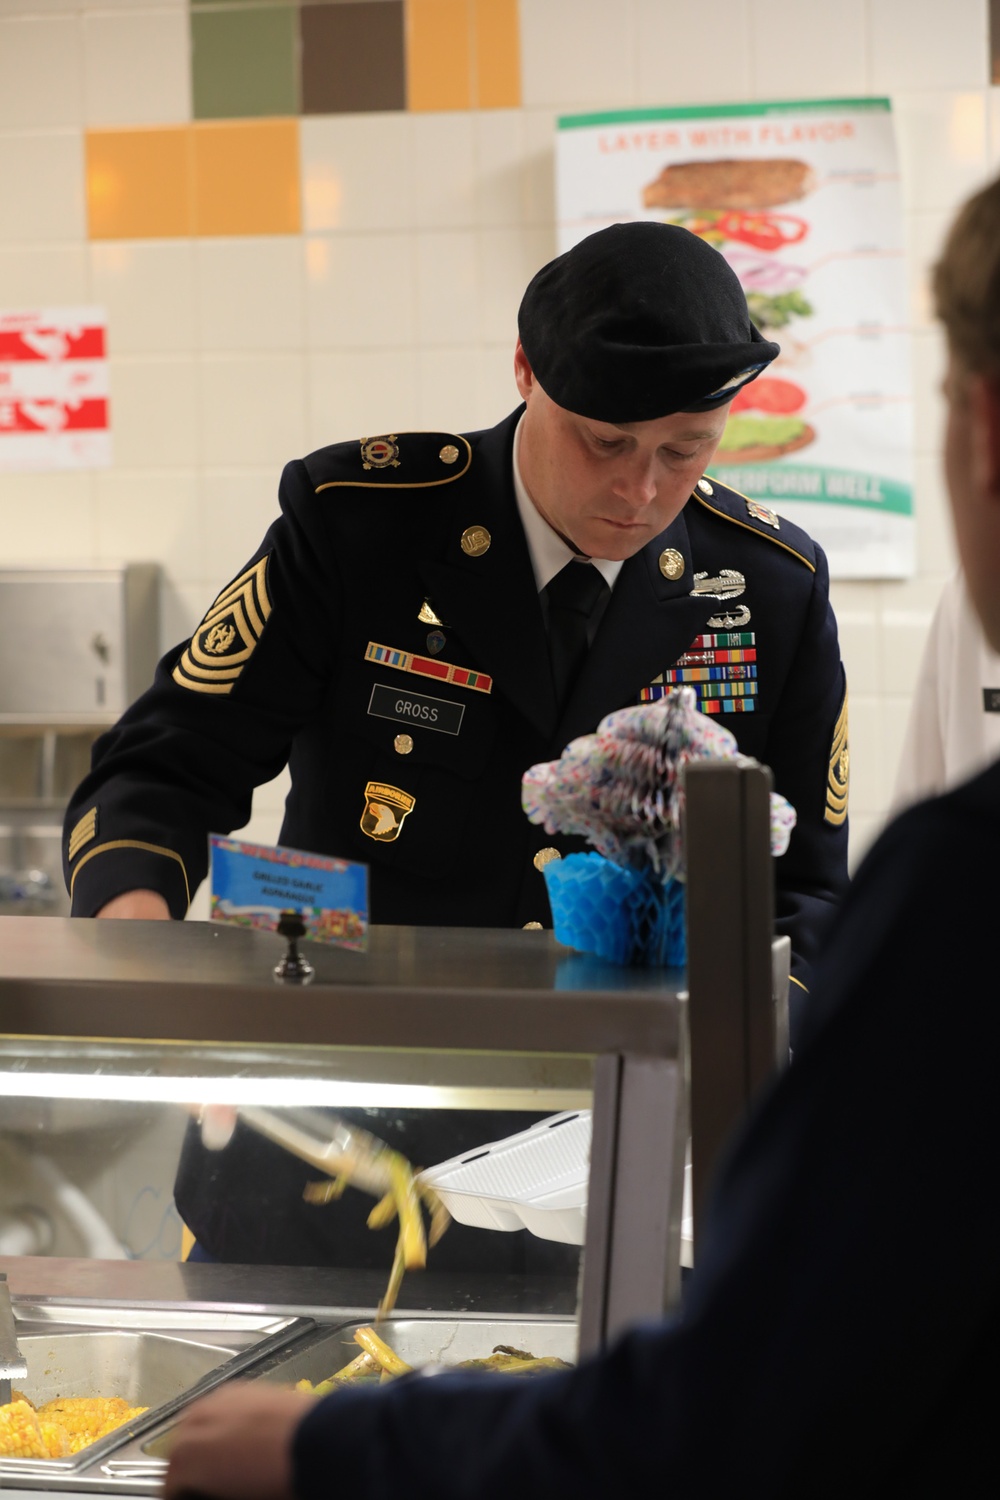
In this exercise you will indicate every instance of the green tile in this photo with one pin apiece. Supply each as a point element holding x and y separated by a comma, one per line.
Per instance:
<point>244,61</point>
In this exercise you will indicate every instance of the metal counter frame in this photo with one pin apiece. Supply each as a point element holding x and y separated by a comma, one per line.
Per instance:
<point>487,1009</point>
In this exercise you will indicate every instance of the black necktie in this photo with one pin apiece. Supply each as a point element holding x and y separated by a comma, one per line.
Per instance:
<point>572,596</point>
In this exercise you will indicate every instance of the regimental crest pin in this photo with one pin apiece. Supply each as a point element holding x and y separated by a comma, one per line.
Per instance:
<point>758,512</point>
<point>380,452</point>
<point>436,642</point>
<point>385,809</point>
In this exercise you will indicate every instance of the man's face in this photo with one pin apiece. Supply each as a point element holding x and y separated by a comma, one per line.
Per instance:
<point>607,489</point>
<point>972,473</point>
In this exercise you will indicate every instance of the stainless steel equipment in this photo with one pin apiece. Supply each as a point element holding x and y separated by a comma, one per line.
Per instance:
<point>76,648</point>
<point>165,1359</point>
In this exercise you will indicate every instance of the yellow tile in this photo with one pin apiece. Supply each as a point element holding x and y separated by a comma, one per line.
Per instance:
<point>497,55</point>
<point>438,54</point>
<point>139,183</point>
<point>246,177</point>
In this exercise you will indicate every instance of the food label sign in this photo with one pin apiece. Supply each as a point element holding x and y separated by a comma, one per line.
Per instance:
<point>252,884</point>
<point>803,201</point>
<point>54,389</point>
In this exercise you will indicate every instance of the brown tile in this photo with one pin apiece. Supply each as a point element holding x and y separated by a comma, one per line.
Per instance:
<point>352,57</point>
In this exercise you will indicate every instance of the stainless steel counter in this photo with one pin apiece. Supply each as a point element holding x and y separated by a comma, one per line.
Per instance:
<point>298,1291</point>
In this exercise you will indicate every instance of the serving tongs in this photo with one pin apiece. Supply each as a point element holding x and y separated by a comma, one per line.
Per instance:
<point>12,1362</point>
<point>326,1142</point>
<point>346,1154</point>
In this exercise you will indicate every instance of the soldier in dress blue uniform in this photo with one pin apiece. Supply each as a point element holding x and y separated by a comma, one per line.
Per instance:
<point>839,1336</point>
<point>433,613</point>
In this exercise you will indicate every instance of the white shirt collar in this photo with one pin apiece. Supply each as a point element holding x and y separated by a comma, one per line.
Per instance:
<point>549,553</point>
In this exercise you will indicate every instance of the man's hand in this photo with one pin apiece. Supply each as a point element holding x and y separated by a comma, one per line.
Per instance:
<point>143,906</point>
<point>237,1444</point>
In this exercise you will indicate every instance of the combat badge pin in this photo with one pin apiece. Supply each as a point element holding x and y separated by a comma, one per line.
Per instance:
<point>758,512</point>
<point>671,564</point>
<point>385,808</point>
<point>727,584</point>
<point>475,541</point>
<point>380,452</point>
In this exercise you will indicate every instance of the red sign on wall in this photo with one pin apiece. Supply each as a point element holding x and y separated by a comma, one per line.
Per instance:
<point>54,410</point>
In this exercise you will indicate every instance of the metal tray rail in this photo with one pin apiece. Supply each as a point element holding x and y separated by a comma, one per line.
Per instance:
<point>228,1356</point>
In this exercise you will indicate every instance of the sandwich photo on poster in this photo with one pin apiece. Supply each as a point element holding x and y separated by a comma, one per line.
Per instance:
<point>802,199</point>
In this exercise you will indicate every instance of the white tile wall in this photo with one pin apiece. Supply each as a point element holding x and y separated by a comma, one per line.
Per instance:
<point>798,50</point>
<point>252,408</point>
<point>250,293</point>
<point>580,54</point>
<point>136,67</point>
<point>673,65</point>
<point>41,187</point>
<point>41,72</point>
<point>148,289</point>
<point>396,307</point>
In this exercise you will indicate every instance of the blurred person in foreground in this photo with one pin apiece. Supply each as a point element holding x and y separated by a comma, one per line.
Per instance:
<point>954,724</point>
<point>840,1331</point>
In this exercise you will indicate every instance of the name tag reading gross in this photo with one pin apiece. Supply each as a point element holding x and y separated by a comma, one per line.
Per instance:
<point>416,708</point>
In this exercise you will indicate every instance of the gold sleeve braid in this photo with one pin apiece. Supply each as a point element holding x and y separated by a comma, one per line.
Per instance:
<point>228,635</point>
<point>838,776</point>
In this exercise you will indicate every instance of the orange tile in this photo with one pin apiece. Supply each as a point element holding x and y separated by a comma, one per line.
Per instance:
<point>496,61</point>
<point>246,177</point>
<point>139,183</point>
<point>438,54</point>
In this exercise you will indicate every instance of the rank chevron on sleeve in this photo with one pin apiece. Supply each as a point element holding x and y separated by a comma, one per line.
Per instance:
<point>428,666</point>
<point>227,637</point>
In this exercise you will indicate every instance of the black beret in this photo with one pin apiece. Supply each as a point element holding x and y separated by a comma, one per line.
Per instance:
<point>638,321</point>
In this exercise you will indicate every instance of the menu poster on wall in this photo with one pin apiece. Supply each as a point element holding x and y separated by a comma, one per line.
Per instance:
<point>803,200</point>
<point>54,389</point>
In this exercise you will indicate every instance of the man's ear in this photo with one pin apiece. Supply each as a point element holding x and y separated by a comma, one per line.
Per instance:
<point>523,373</point>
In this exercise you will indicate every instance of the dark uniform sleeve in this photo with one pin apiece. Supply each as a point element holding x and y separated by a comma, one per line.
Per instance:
<point>839,1333</point>
<point>218,721</point>
<point>808,754</point>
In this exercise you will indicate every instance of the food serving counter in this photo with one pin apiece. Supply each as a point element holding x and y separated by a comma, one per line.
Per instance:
<point>92,1012</point>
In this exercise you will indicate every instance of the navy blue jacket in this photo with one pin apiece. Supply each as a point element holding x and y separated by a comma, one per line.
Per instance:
<point>840,1332</point>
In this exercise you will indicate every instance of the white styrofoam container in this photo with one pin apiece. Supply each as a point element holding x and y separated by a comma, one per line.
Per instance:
<point>534,1180</point>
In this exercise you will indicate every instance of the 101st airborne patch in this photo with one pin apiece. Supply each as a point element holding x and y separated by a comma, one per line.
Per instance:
<point>838,777</point>
<point>385,808</point>
<point>227,637</point>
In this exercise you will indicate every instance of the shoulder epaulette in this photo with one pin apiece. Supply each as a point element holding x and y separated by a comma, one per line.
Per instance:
<point>394,461</point>
<point>740,510</point>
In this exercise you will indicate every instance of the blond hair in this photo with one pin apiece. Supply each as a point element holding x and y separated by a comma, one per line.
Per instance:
<point>966,283</point>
